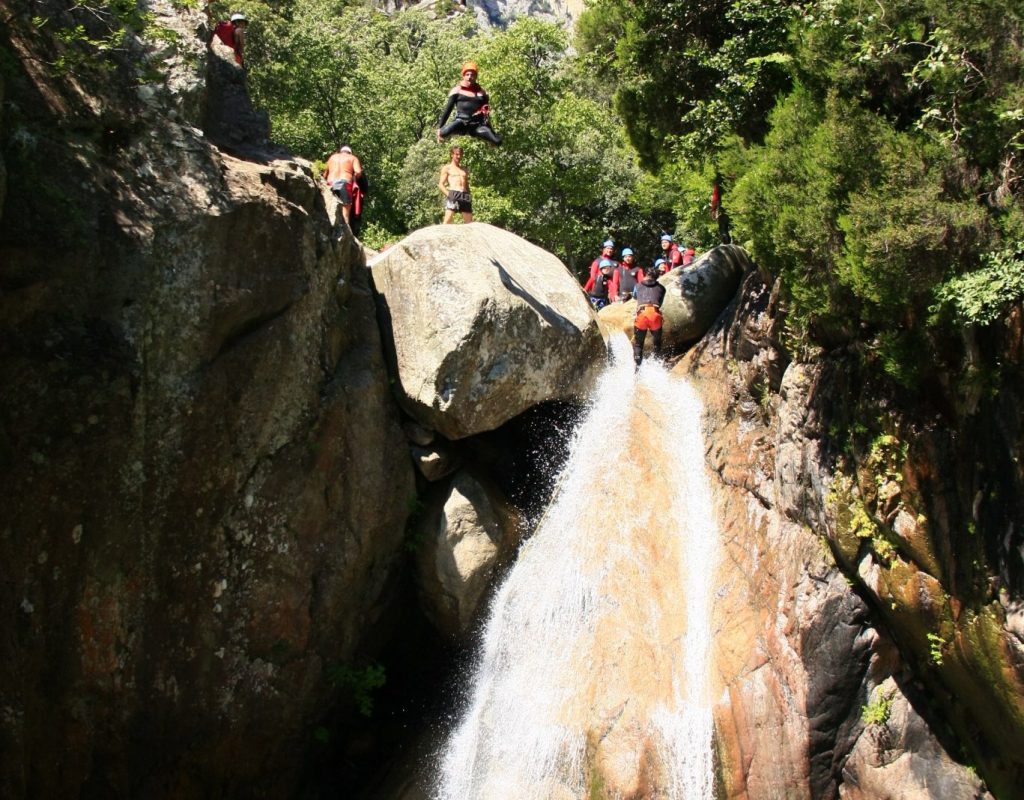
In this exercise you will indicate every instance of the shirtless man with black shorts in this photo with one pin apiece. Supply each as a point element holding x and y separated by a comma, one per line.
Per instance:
<point>454,185</point>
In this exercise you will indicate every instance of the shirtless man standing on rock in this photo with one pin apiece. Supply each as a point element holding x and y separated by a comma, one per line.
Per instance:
<point>454,185</point>
<point>342,169</point>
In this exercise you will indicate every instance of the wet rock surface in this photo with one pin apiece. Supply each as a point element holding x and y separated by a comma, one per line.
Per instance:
<point>797,653</point>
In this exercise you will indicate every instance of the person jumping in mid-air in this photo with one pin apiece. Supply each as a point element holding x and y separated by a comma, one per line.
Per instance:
<point>650,295</point>
<point>472,109</point>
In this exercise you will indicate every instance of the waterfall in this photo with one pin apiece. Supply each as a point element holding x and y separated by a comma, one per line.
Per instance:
<point>592,676</point>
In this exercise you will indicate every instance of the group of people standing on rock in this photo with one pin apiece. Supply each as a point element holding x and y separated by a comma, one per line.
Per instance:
<point>471,105</point>
<point>613,281</point>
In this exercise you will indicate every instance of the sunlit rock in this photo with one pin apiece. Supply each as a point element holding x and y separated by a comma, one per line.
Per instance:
<point>897,749</point>
<point>483,325</point>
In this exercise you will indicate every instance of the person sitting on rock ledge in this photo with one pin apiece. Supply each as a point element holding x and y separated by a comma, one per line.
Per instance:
<point>650,295</point>
<point>232,33</point>
<point>599,292</point>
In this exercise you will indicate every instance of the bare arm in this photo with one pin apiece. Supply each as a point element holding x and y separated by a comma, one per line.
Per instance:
<point>357,167</point>
<point>442,182</point>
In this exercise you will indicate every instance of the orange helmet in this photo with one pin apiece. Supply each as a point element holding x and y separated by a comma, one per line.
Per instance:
<point>469,65</point>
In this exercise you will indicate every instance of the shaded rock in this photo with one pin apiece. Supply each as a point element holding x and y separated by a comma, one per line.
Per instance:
<point>434,463</point>
<point>230,120</point>
<point>417,434</point>
<point>3,167</point>
<point>467,530</point>
<point>898,755</point>
<point>198,450</point>
<point>483,326</point>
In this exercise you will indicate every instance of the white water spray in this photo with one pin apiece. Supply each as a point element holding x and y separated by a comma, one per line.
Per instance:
<point>593,671</point>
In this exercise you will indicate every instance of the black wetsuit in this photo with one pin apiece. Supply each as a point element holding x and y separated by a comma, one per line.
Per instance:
<point>471,115</point>
<point>599,292</point>
<point>648,292</point>
<point>628,278</point>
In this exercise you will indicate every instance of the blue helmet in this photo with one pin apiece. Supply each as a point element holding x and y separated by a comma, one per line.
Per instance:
<point>666,237</point>
<point>606,262</point>
<point>658,263</point>
<point>626,252</point>
<point>608,243</point>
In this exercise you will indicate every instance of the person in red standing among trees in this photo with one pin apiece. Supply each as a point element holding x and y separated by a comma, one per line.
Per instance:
<point>232,33</point>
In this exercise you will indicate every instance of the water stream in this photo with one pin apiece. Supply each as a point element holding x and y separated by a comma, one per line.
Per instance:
<point>592,676</point>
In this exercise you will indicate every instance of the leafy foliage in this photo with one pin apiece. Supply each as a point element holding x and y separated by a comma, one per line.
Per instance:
<point>876,713</point>
<point>565,177</point>
<point>980,297</point>
<point>360,682</point>
<point>870,152</point>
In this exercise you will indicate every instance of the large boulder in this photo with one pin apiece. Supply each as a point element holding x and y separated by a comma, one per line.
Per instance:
<point>483,326</point>
<point>699,293</point>
<point>695,296</point>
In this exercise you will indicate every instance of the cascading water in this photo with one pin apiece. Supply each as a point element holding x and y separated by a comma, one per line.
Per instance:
<point>592,680</point>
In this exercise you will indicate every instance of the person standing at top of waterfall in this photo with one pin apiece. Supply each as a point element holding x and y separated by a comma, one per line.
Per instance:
<point>627,276</point>
<point>469,100</point>
<point>343,167</point>
<point>650,295</point>
<point>607,252</point>
<point>454,185</point>
<point>601,290</point>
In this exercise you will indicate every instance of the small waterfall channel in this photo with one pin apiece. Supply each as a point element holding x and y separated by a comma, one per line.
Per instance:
<point>592,677</point>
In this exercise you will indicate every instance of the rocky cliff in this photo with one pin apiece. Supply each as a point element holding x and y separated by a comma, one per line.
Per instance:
<point>197,434</point>
<point>851,653</point>
<point>206,477</point>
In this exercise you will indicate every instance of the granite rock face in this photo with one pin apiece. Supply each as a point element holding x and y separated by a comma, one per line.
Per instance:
<point>797,656</point>
<point>482,325</point>
<point>197,433</point>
